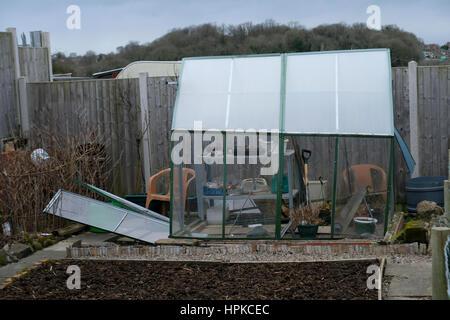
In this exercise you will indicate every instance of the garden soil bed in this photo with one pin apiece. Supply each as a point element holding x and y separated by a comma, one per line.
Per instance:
<point>195,280</point>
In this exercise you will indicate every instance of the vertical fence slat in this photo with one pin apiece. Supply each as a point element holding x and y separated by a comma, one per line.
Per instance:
<point>444,116</point>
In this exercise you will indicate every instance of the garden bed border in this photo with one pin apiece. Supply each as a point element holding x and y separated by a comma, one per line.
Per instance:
<point>320,248</point>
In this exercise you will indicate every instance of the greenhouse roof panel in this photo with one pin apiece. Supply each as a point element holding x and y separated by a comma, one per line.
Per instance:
<point>334,92</point>
<point>229,93</point>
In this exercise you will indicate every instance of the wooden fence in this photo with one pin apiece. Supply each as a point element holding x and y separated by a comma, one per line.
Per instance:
<point>421,97</point>
<point>433,87</point>
<point>112,109</point>
<point>18,65</point>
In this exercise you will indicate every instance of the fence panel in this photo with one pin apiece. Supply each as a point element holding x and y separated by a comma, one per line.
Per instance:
<point>34,63</point>
<point>434,119</point>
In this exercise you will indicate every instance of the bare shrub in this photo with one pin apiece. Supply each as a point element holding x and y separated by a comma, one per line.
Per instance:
<point>305,214</point>
<point>26,187</point>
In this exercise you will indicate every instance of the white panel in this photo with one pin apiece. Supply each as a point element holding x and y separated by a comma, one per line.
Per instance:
<point>148,230</point>
<point>339,93</point>
<point>364,93</point>
<point>203,93</point>
<point>326,93</point>
<point>107,217</point>
<point>310,94</point>
<point>126,203</point>
<point>255,93</point>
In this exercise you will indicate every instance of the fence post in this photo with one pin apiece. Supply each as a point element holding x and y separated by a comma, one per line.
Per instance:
<point>16,63</point>
<point>15,52</point>
<point>23,106</point>
<point>414,116</point>
<point>447,190</point>
<point>45,41</point>
<point>145,126</point>
<point>439,236</point>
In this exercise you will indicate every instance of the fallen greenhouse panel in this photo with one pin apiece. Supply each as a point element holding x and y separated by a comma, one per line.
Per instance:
<point>108,217</point>
<point>128,204</point>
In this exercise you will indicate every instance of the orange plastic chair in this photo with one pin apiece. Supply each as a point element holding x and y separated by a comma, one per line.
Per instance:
<point>151,192</point>
<point>362,174</point>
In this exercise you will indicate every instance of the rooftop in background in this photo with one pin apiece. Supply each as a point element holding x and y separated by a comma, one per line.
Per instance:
<point>67,77</point>
<point>107,74</point>
<point>153,69</point>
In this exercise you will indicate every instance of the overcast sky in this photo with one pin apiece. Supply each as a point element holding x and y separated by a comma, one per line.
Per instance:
<point>107,24</point>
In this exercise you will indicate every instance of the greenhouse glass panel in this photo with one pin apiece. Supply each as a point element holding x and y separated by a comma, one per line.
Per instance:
<point>255,94</point>
<point>362,186</point>
<point>311,94</point>
<point>339,93</point>
<point>203,93</point>
<point>229,93</point>
<point>364,93</point>
<point>319,191</point>
<point>197,185</point>
<point>251,195</point>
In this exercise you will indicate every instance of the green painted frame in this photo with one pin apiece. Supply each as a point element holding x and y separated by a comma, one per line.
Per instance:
<point>282,136</point>
<point>284,61</point>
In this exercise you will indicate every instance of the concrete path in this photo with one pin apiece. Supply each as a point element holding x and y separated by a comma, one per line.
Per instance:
<point>54,252</point>
<point>409,281</point>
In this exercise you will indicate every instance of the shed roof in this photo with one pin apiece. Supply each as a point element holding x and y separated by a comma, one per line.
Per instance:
<point>327,92</point>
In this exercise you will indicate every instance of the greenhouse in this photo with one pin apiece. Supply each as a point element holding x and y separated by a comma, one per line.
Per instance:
<point>262,145</point>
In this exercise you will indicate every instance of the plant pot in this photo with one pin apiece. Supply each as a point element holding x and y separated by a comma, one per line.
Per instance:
<point>308,230</point>
<point>365,225</point>
<point>378,215</point>
<point>325,216</point>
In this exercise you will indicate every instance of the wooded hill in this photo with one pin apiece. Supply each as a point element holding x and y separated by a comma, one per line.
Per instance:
<point>247,38</point>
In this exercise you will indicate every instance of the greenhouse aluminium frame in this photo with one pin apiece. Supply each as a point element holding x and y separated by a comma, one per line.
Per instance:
<point>378,60</point>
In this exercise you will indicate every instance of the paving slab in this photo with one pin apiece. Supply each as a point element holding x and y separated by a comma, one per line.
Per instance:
<point>54,252</point>
<point>409,281</point>
<point>20,250</point>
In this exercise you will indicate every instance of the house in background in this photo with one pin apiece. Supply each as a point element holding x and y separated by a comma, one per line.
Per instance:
<point>132,70</point>
<point>109,74</point>
<point>153,69</point>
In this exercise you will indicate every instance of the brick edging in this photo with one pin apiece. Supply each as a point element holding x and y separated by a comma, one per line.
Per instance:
<point>320,248</point>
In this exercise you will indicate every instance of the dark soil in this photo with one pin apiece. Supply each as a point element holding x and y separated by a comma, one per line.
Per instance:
<point>195,280</point>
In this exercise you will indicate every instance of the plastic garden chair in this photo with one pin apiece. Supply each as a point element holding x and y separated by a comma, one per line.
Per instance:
<point>153,195</point>
<point>361,175</point>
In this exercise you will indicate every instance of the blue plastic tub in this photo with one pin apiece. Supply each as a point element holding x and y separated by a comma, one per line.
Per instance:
<point>424,188</point>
